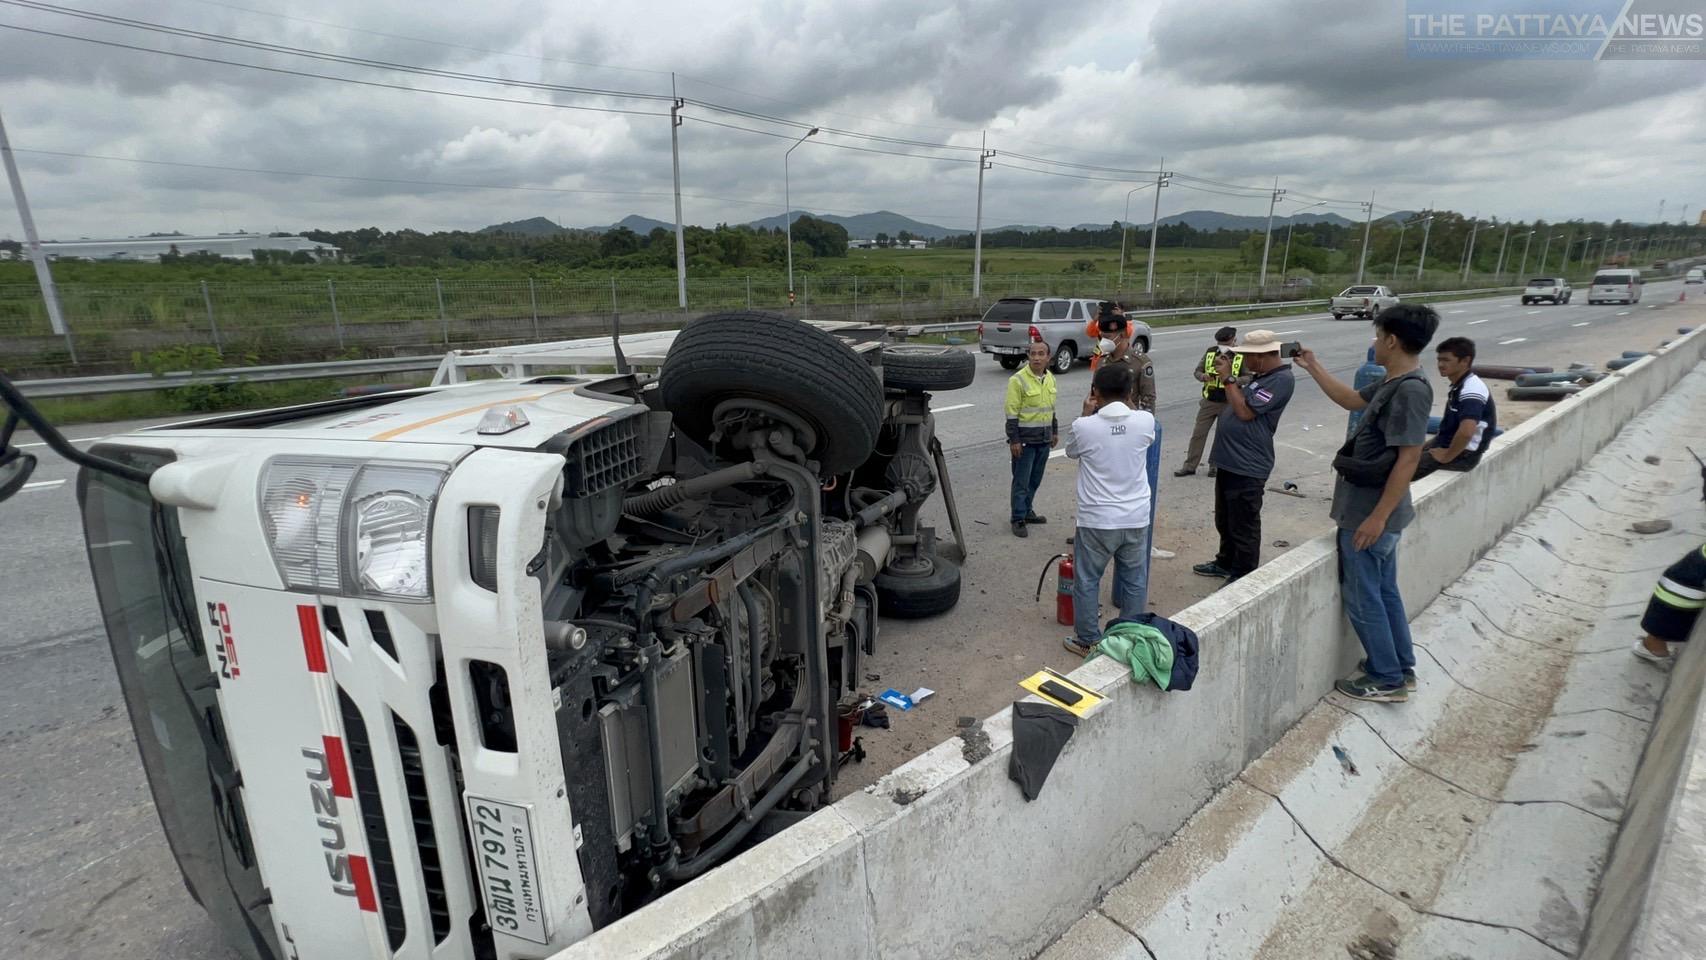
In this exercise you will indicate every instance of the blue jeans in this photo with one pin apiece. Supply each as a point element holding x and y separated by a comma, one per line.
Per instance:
<point>1027,477</point>
<point>1368,583</point>
<point>1153,467</point>
<point>1091,551</point>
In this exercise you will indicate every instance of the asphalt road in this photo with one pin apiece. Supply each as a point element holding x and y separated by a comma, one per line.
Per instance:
<point>91,875</point>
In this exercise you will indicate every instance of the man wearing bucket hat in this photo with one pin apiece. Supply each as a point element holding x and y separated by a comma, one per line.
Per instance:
<point>1243,453</point>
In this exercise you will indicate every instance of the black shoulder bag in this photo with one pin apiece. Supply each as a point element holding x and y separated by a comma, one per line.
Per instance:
<point>1371,472</point>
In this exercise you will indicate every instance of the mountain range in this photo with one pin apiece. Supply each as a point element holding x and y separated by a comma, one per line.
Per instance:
<point>865,226</point>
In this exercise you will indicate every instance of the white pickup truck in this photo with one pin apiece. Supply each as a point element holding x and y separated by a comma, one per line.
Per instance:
<point>1362,301</point>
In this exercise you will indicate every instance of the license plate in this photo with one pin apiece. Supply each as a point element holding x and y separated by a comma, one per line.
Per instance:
<point>1010,351</point>
<point>509,874</point>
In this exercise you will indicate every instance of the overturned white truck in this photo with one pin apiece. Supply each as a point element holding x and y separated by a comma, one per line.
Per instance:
<point>470,671</point>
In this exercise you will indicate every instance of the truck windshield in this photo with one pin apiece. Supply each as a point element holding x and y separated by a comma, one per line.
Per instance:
<point>141,573</point>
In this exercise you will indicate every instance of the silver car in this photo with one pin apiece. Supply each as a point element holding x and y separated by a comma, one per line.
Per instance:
<point>1011,324</point>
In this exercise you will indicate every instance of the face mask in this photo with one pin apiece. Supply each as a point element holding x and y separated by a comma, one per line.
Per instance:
<point>1105,345</point>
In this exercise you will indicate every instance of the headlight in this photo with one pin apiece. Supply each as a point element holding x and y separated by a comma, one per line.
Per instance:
<point>345,527</point>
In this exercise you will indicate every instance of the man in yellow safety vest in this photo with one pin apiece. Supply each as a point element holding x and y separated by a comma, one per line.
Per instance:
<point>1213,399</point>
<point>1031,432</point>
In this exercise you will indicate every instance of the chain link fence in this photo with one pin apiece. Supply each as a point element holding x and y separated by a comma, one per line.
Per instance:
<point>115,328</point>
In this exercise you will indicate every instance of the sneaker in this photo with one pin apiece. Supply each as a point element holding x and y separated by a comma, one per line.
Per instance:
<point>1072,644</point>
<point>1213,471</point>
<point>1364,687</point>
<point>1639,649</point>
<point>1035,518</point>
<point>1019,529</point>
<point>1212,569</point>
<point>1185,472</point>
<point>1409,675</point>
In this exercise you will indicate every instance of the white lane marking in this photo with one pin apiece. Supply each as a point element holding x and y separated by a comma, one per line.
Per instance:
<point>1533,312</point>
<point>1474,322</point>
<point>1457,311</point>
<point>43,484</point>
<point>1623,313</point>
<point>1506,343</point>
<point>1299,449</point>
<point>1281,333</point>
<point>957,406</point>
<point>1582,324</point>
<point>43,443</point>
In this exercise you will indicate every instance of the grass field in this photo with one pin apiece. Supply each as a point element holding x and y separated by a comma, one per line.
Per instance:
<point>1018,260</point>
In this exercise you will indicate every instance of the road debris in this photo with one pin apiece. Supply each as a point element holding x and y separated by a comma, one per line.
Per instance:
<point>1650,526</point>
<point>1345,761</point>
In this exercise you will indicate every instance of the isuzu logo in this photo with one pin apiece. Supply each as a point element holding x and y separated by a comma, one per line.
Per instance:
<point>326,775</point>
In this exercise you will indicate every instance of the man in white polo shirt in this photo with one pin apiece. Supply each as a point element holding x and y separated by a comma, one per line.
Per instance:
<point>1111,444</point>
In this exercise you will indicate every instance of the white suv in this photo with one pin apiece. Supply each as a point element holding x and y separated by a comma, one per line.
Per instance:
<point>1550,289</point>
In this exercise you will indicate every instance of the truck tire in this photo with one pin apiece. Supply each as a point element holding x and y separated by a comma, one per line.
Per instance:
<point>1064,357</point>
<point>1495,371</point>
<point>923,366</point>
<point>788,363</point>
<point>1555,391</point>
<point>1009,363</point>
<point>916,597</point>
<point>1338,316</point>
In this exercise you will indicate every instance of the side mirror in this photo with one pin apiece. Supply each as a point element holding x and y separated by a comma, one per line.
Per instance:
<point>15,469</point>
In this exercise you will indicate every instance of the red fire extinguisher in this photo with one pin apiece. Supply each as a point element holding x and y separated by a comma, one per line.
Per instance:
<point>1062,588</point>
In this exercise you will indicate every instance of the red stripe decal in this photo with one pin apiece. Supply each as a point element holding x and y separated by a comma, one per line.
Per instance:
<point>312,643</point>
<point>339,766</point>
<point>363,884</point>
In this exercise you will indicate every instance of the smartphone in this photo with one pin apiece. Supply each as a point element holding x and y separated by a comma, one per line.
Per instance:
<point>1290,348</point>
<point>1060,691</point>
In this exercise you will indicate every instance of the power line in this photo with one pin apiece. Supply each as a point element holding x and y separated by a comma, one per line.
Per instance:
<point>825,143</point>
<point>327,76</point>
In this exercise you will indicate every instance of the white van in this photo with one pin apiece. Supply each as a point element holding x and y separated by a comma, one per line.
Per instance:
<point>1621,286</point>
<point>1696,275</point>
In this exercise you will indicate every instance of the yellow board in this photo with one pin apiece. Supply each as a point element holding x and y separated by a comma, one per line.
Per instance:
<point>1034,684</point>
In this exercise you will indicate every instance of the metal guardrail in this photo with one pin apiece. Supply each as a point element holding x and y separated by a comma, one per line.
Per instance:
<point>332,369</point>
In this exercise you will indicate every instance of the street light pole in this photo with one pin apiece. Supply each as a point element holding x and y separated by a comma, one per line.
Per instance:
<point>1469,254</point>
<point>675,159</point>
<point>1527,239</point>
<point>977,243</point>
<point>1427,228</point>
<point>32,243</point>
<point>1586,243</point>
<point>1545,248</point>
<point>1499,271</point>
<point>788,209</point>
<point>1161,179</point>
<point>1268,236</point>
<point>1291,221</point>
<point>1125,230</point>
<point>1402,224</point>
<point>1367,227</point>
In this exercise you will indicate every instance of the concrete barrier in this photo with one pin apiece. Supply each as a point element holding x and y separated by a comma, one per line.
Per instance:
<point>944,858</point>
<point>1649,905</point>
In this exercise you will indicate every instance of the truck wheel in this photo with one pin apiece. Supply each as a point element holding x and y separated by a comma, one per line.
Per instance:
<point>1064,357</point>
<point>915,596</point>
<point>923,366</point>
<point>1009,363</point>
<point>1143,344</point>
<point>1338,316</point>
<point>752,355</point>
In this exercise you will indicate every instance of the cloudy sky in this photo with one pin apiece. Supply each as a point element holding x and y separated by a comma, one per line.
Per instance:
<point>1318,93</point>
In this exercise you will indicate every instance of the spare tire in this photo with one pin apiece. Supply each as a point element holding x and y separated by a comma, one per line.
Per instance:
<point>790,364</point>
<point>925,366</point>
<point>913,597</point>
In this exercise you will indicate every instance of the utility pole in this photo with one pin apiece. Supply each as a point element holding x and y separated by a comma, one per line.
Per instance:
<point>1528,239</point>
<point>983,164</point>
<point>44,275</point>
<point>1427,228</point>
<point>1499,271</point>
<point>1161,179</point>
<point>1268,237</point>
<point>1469,254</point>
<point>1367,228</point>
<point>1400,251</point>
<point>675,158</point>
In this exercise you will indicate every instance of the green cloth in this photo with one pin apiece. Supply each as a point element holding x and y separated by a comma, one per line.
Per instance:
<point>1143,648</point>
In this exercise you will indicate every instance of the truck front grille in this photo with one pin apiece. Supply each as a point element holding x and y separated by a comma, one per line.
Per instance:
<point>426,839</point>
<point>373,821</point>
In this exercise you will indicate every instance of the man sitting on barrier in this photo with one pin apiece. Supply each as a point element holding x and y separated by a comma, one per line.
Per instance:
<point>1470,418</point>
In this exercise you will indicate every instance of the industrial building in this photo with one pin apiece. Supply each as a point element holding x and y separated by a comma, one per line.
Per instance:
<point>231,246</point>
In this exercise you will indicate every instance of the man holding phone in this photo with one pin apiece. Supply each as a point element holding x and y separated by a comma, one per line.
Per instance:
<point>1371,496</point>
<point>1243,453</point>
